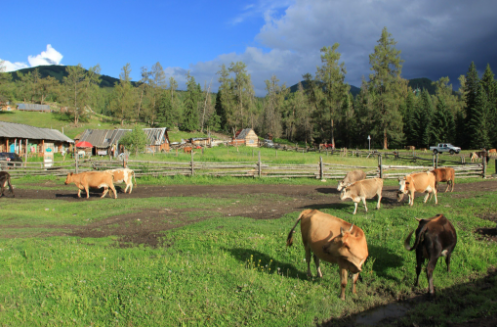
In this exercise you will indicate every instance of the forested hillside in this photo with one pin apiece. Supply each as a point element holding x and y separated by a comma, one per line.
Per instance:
<point>392,110</point>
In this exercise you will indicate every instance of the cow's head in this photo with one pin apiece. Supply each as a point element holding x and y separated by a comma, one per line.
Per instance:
<point>345,194</point>
<point>341,185</point>
<point>404,185</point>
<point>347,247</point>
<point>68,178</point>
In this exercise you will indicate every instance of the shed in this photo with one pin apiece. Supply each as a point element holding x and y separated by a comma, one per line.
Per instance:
<point>19,138</point>
<point>246,136</point>
<point>33,107</point>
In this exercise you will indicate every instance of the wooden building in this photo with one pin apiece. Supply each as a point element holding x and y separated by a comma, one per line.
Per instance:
<point>246,136</point>
<point>33,107</point>
<point>18,138</point>
<point>106,141</point>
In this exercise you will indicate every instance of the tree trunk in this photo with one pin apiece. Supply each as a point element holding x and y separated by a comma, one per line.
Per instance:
<point>385,140</point>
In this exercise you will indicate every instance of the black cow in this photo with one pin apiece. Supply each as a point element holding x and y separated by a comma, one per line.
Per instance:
<point>4,180</point>
<point>435,237</point>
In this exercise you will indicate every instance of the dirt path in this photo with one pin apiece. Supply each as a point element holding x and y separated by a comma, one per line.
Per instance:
<point>145,227</point>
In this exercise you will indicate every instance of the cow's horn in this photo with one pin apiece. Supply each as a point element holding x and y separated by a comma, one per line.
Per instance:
<point>351,226</point>
<point>418,219</point>
<point>341,231</point>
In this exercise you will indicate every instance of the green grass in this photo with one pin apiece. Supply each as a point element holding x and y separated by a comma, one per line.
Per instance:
<point>224,270</point>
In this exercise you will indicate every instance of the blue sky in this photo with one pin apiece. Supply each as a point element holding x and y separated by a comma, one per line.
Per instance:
<point>281,37</point>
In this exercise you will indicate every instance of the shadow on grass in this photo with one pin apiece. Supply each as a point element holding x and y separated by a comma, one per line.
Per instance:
<point>94,193</point>
<point>251,257</point>
<point>328,190</point>
<point>384,260</point>
<point>463,302</point>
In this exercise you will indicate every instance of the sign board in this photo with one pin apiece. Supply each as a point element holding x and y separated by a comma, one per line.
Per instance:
<point>48,159</point>
<point>49,150</point>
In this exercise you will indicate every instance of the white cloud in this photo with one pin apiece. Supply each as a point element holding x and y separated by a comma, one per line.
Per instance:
<point>7,66</point>
<point>48,57</point>
<point>45,58</point>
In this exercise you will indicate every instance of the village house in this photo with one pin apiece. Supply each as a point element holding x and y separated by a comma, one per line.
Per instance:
<point>6,106</point>
<point>246,136</point>
<point>16,138</point>
<point>106,141</point>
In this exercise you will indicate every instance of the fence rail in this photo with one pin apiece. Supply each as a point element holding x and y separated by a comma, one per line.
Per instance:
<point>319,170</point>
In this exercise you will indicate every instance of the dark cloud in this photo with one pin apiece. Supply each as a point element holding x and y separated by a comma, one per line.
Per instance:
<point>437,38</point>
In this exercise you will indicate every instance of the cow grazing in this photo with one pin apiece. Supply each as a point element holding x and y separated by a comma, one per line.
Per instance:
<point>351,177</point>
<point>4,181</point>
<point>92,179</point>
<point>417,182</point>
<point>479,155</point>
<point>423,149</point>
<point>362,190</point>
<point>445,175</point>
<point>187,149</point>
<point>123,175</point>
<point>474,156</point>
<point>334,240</point>
<point>492,152</point>
<point>410,147</point>
<point>435,237</point>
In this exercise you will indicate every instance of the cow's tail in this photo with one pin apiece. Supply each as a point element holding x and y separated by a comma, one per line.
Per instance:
<point>289,240</point>
<point>419,236</point>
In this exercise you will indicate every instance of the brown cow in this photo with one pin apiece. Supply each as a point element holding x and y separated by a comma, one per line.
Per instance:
<point>417,182</point>
<point>410,147</point>
<point>92,179</point>
<point>362,190</point>
<point>492,152</point>
<point>423,149</point>
<point>334,240</point>
<point>4,181</point>
<point>435,237</point>
<point>187,149</point>
<point>351,177</point>
<point>123,175</point>
<point>445,175</point>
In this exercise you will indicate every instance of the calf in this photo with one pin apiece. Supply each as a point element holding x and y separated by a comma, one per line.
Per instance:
<point>4,181</point>
<point>435,237</point>
<point>334,240</point>
<point>362,190</point>
<point>351,177</point>
<point>445,175</point>
<point>92,179</point>
<point>123,175</point>
<point>417,182</point>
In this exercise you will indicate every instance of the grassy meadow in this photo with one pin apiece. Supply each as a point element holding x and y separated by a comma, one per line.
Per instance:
<point>224,270</point>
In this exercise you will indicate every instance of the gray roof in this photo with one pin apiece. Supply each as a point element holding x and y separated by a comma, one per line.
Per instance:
<point>32,106</point>
<point>104,138</point>
<point>243,134</point>
<point>14,130</point>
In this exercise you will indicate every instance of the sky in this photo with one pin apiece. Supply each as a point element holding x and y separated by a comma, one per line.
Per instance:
<point>278,37</point>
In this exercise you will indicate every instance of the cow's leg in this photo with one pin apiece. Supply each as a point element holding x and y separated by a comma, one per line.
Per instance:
<point>355,277</point>
<point>429,272</point>
<point>114,191</point>
<point>308,260</point>
<point>379,200</point>
<point>411,198</point>
<point>448,185</point>
<point>126,189</point>
<point>427,196</point>
<point>79,193</point>
<point>355,208</point>
<point>130,187</point>
<point>343,282</point>
<point>87,189</point>
<point>318,269</point>
<point>419,264</point>
<point>452,185</point>
<point>435,194</point>
<point>364,202</point>
<point>106,190</point>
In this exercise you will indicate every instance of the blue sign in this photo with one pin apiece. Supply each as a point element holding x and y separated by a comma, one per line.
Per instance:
<point>49,150</point>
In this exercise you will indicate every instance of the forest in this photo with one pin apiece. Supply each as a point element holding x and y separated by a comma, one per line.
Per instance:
<point>320,108</point>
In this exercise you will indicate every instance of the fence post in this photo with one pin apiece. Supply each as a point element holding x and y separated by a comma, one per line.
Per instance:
<point>484,161</point>
<point>26,154</point>
<point>321,170</point>
<point>434,160</point>
<point>495,167</point>
<point>259,166</point>
<point>380,165</point>
<point>76,156</point>
<point>191,163</point>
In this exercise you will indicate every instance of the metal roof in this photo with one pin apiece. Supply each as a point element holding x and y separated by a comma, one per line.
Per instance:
<point>22,131</point>
<point>32,106</point>
<point>243,134</point>
<point>104,138</point>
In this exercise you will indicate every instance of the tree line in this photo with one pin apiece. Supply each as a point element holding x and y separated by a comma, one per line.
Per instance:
<point>322,109</point>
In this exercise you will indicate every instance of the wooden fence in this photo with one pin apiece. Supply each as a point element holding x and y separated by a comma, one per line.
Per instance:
<point>319,170</point>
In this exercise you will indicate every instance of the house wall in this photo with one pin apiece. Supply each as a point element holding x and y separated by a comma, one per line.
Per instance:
<point>251,139</point>
<point>34,146</point>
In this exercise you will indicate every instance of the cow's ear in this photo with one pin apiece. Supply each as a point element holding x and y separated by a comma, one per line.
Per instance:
<point>418,219</point>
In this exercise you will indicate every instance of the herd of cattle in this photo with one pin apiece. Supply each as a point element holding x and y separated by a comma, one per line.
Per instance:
<point>330,238</point>
<point>336,241</point>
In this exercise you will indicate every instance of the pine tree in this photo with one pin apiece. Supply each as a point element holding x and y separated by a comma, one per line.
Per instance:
<point>220,110</point>
<point>476,127</point>
<point>165,115</point>
<point>471,85</point>
<point>385,84</point>
<point>443,124</point>
<point>123,104</point>
<point>490,87</point>
<point>408,117</point>
<point>193,96</point>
